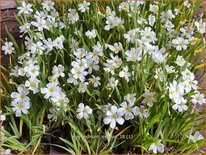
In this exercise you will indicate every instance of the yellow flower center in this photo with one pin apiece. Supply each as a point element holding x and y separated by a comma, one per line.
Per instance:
<point>78,72</point>
<point>32,84</point>
<point>32,70</point>
<point>84,110</point>
<point>127,109</point>
<point>51,90</point>
<point>20,106</point>
<point>60,101</point>
<point>114,116</point>
<point>21,96</point>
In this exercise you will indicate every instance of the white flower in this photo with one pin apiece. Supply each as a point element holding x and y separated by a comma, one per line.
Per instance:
<point>25,28</point>
<point>107,108</point>
<point>62,25</point>
<point>73,16</point>
<point>177,11</point>
<point>109,67</point>
<point>113,116</point>
<point>79,73</point>
<point>25,8</point>
<point>40,15</point>
<point>2,117</point>
<point>141,111</point>
<point>52,116</point>
<point>158,57</point>
<point>127,110</point>
<point>181,105</point>
<point>101,15</point>
<point>48,45</point>
<point>151,19</point>
<point>133,55</point>
<point>51,22</point>
<point>5,151</point>
<point>169,26</point>
<point>58,71</point>
<point>92,65</point>
<point>116,61</point>
<point>60,99</point>
<point>21,95</point>
<point>141,21</point>
<point>187,31</point>
<point>39,35</point>
<point>167,16</point>
<point>173,90</point>
<point>80,53</point>
<point>40,24</point>
<point>198,98</point>
<point>53,79</point>
<point>180,43</point>
<point>157,147</point>
<point>113,63</point>
<point>130,98</point>
<point>187,75</point>
<point>80,63</point>
<point>159,74</point>
<point>176,91</point>
<point>8,48</point>
<point>112,82</point>
<point>22,71</point>
<point>125,73</point>
<point>180,61</point>
<point>120,22</point>
<point>172,34</point>
<point>32,71</point>
<point>82,87</point>
<point>170,69</point>
<point>20,107</point>
<point>109,12</point>
<point>196,137</point>
<point>71,79</point>
<point>83,6</point>
<point>98,49</point>
<point>37,48</point>
<point>32,84</point>
<point>153,8</point>
<point>189,85</point>
<point>149,97</point>
<point>50,90</point>
<point>200,26</point>
<point>124,6</point>
<point>48,5</point>
<point>58,42</point>
<point>92,57</point>
<point>111,23</point>
<point>148,35</point>
<point>1,91</point>
<point>95,80</point>
<point>116,48</point>
<point>132,35</point>
<point>83,111</point>
<point>91,34</point>
<point>187,4</point>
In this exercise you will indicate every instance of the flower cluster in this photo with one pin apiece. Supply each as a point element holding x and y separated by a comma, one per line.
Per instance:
<point>124,63</point>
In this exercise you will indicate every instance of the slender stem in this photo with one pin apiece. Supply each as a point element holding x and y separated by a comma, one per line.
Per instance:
<point>20,126</point>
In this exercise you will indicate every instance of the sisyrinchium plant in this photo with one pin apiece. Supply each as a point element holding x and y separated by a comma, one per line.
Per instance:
<point>104,77</point>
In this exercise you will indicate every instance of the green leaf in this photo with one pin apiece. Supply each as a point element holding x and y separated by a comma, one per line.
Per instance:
<point>76,129</point>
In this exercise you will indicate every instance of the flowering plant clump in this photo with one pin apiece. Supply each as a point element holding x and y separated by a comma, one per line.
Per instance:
<point>104,77</point>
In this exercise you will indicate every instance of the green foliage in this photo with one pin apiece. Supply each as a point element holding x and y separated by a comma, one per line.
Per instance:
<point>27,134</point>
